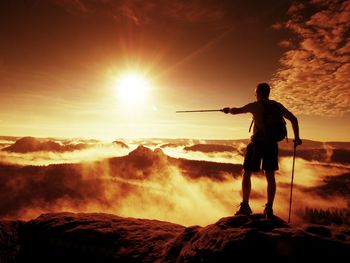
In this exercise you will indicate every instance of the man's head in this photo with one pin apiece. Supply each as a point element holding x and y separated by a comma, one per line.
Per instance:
<point>262,91</point>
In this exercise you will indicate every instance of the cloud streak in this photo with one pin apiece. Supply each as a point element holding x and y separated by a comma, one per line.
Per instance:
<point>141,13</point>
<point>314,75</point>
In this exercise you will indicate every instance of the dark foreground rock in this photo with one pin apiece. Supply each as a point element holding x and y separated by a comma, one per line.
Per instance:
<point>69,237</point>
<point>9,241</point>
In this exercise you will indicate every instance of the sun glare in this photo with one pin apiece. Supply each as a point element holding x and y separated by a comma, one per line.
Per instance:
<point>132,89</point>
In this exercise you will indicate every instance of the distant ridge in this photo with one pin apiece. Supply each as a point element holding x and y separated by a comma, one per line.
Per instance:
<point>121,144</point>
<point>31,144</point>
<point>208,148</point>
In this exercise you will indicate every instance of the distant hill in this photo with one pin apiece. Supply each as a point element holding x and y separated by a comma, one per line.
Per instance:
<point>170,145</point>
<point>335,152</point>
<point>309,144</point>
<point>208,148</point>
<point>31,144</point>
<point>121,144</point>
<point>9,138</point>
<point>69,237</point>
<point>148,161</point>
<point>327,155</point>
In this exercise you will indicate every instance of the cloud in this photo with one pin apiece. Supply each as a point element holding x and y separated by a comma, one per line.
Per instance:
<point>314,73</point>
<point>144,183</point>
<point>142,13</point>
<point>209,153</point>
<point>285,43</point>
<point>147,183</point>
<point>207,148</point>
<point>334,185</point>
<point>93,152</point>
<point>295,8</point>
<point>195,11</point>
<point>73,5</point>
<point>324,155</point>
<point>309,179</point>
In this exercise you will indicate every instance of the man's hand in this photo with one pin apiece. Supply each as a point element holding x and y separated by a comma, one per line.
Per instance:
<point>226,110</point>
<point>297,142</point>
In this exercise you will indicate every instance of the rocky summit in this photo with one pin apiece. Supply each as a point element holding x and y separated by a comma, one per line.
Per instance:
<point>96,237</point>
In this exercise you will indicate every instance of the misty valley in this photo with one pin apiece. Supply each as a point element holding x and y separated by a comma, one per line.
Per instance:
<point>181,181</point>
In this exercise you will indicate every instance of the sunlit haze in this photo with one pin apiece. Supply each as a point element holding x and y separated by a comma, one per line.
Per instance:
<point>133,90</point>
<point>117,69</point>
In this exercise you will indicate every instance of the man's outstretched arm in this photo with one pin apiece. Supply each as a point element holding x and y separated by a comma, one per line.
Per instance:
<point>244,109</point>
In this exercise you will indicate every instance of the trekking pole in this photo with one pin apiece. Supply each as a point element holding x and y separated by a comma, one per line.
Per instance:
<point>186,111</point>
<point>291,185</point>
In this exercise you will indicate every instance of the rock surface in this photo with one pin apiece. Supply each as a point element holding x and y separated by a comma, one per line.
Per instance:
<point>70,237</point>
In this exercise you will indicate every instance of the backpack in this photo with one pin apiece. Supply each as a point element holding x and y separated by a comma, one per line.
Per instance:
<point>275,129</point>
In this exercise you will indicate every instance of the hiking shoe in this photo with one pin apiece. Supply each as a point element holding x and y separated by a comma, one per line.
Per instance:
<point>268,211</point>
<point>244,209</point>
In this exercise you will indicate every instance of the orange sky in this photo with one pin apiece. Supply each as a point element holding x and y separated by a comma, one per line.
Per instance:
<point>60,61</point>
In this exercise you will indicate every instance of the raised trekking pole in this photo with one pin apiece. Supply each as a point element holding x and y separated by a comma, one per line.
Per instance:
<point>187,111</point>
<point>291,185</point>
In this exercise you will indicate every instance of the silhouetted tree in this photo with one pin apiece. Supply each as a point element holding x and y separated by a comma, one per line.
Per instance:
<point>331,216</point>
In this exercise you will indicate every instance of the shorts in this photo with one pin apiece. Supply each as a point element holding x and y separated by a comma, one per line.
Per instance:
<point>258,151</point>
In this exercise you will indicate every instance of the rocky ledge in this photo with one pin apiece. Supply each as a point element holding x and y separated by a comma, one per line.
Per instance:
<point>71,237</point>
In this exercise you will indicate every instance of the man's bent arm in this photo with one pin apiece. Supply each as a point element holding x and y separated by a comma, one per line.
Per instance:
<point>289,116</point>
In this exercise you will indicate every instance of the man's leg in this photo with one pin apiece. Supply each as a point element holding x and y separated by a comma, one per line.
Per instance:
<point>271,186</point>
<point>251,163</point>
<point>271,191</point>
<point>246,185</point>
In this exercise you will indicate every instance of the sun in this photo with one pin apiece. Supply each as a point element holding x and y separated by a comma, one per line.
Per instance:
<point>132,89</point>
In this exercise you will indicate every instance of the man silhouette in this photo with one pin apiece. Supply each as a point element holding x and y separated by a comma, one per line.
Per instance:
<point>260,148</point>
